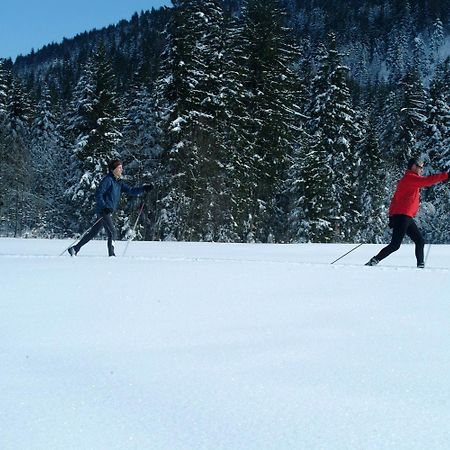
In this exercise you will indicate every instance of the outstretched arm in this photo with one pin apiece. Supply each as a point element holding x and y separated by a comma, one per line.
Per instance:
<point>133,191</point>
<point>420,182</point>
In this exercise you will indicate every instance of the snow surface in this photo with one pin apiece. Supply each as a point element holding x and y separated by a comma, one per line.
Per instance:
<point>187,346</point>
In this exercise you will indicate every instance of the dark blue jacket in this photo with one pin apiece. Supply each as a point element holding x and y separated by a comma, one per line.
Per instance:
<point>108,192</point>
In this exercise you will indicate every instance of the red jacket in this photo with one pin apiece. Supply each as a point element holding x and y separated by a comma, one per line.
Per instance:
<point>406,197</point>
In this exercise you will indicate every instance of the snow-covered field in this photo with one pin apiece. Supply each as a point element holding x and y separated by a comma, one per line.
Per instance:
<point>183,346</point>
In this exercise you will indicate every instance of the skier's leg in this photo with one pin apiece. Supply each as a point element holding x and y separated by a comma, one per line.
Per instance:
<point>111,232</point>
<point>414,233</point>
<point>94,231</point>
<point>400,224</point>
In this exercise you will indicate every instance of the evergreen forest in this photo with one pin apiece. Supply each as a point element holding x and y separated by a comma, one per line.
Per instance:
<point>255,121</point>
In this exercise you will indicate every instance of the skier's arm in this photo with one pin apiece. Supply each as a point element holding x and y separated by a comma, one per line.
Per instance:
<point>420,182</point>
<point>131,191</point>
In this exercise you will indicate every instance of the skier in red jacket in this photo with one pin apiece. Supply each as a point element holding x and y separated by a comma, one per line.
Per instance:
<point>404,207</point>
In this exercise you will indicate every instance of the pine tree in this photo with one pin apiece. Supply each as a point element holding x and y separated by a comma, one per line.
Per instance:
<point>436,142</point>
<point>140,151</point>
<point>437,39</point>
<point>299,223</point>
<point>372,187</point>
<point>401,38</point>
<point>3,89</point>
<point>420,58</point>
<point>94,124</point>
<point>272,90</point>
<point>335,135</point>
<point>190,98</point>
<point>412,118</point>
<point>15,183</point>
<point>48,176</point>
<point>318,200</point>
<point>237,136</point>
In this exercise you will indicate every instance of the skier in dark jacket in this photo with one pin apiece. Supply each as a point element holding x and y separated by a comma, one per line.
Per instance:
<point>107,198</point>
<point>403,209</point>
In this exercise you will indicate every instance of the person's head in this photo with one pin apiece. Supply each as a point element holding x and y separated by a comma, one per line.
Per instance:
<point>416,165</point>
<point>115,166</point>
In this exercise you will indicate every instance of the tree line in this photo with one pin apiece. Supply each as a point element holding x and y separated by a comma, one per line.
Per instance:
<point>257,121</point>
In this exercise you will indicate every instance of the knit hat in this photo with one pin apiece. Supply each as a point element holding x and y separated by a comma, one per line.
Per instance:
<point>113,164</point>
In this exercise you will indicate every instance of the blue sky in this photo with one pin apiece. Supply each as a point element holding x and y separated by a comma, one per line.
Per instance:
<point>27,24</point>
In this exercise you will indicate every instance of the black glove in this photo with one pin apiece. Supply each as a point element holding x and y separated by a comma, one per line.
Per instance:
<point>147,187</point>
<point>106,211</point>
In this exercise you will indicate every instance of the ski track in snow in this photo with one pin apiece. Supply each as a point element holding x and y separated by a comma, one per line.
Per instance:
<point>236,260</point>
<point>385,265</point>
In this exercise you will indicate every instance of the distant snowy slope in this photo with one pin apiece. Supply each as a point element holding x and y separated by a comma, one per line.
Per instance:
<point>190,346</point>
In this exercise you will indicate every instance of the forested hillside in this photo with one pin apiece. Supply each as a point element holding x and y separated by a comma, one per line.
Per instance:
<point>256,120</point>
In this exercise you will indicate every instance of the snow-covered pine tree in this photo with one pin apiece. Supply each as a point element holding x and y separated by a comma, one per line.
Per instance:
<point>140,150</point>
<point>3,89</point>
<point>48,176</point>
<point>401,37</point>
<point>189,92</point>
<point>237,135</point>
<point>271,97</point>
<point>318,204</point>
<point>3,136</point>
<point>298,225</point>
<point>372,187</point>
<point>298,221</point>
<point>411,123</point>
<point>386,122</point>
<point>215,219</point>
<point>94,124</point>
<point>335,134</point>
<point>15,183</point>
<point>437,39</point>
<point>172,89</point>
<point>436,144</point>
<point>420,60</point>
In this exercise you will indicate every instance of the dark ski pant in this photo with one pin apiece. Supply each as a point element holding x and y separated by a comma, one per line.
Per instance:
<point>106,222</point>
<point>403,225</point>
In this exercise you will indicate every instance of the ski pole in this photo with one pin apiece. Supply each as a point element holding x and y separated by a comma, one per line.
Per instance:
<point>345,254</point>
<point>81,237</point>
<point>135,225</point>
<point>428,252</point>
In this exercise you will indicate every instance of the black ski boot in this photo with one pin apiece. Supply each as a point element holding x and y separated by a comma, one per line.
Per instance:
<point>372,262</point>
